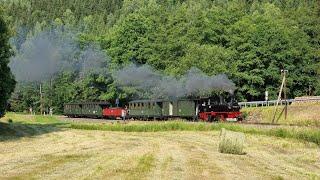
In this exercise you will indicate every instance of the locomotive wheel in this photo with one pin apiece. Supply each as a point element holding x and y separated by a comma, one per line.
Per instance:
<point>195,118</point>
<point>209,118</point>
<point>217,119</point>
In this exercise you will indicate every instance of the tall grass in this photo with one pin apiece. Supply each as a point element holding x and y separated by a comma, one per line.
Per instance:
<point>148,127</point>
<point>306,134</point>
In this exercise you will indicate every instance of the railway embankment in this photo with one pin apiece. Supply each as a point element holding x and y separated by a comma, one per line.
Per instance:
<point>303,114</point>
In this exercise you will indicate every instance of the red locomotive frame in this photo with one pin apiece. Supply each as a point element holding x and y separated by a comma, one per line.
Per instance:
<point>221,116</point>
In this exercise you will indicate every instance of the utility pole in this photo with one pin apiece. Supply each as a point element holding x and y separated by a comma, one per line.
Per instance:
<point>284,90</point>
<point>285,94</point>
<point>41,105</point>
<point>51,93</point>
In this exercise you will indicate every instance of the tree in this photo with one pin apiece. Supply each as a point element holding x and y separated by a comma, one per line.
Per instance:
<point>7,82</point>
<point>265,43</point>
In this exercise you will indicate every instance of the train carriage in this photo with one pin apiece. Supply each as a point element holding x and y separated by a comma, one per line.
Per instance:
<point>73,110</point>
<point>145,109</point>
<point>114,112</point>
<point>184,108</point>
<point>94,109</point>
<point>163,109</point>
<point>86,109</point>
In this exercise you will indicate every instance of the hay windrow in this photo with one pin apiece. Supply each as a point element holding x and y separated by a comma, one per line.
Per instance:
<point>231,142</point>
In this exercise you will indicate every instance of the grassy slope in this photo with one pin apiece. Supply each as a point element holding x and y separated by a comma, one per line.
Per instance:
<point>305,115</point>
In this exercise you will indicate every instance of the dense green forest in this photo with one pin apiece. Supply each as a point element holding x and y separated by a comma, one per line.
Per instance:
<point>249,41</point>
<point>7,81</point>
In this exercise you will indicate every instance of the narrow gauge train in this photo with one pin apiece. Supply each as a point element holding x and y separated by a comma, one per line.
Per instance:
<point>93,110</point>
<point>207,109</point>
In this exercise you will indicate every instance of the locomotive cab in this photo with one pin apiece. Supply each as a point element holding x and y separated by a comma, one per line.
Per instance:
<point>219,108</point>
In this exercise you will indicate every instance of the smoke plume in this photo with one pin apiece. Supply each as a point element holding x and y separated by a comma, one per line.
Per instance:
<point>151,83</point>
<point>41,56</point>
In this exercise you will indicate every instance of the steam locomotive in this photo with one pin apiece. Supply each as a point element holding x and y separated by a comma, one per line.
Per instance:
<point>215,108</point>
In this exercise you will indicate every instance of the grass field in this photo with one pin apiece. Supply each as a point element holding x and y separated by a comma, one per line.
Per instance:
<point>36,147</point>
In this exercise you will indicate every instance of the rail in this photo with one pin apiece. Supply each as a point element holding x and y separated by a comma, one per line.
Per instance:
<point>274,102</point>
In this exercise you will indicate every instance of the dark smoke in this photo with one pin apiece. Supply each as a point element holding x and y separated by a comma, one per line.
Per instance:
<point>153,84</point>
<point>41,56</point>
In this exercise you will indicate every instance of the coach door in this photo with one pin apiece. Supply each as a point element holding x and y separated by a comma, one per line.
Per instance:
<point>170,108</point>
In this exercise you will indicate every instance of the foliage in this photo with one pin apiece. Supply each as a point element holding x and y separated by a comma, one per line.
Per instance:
<point>250,41</point>
<point>7,81</point>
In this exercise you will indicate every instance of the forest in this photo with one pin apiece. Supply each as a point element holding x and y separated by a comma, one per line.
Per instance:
<point>75,49</point>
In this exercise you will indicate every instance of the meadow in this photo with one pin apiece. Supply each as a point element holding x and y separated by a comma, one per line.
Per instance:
<point>38,147</point>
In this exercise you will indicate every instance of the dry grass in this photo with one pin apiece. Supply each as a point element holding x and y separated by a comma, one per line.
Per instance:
<point>302,115</point>
<point>49,150</point>
<point>231,142</point>
<point>77,154</point>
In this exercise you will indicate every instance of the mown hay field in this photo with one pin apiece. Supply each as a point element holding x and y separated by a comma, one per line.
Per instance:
<point>35,147</point>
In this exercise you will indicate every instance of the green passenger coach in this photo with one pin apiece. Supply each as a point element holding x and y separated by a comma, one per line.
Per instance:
<point>163,109</point>
<point>145,109</point>
<point>87,109</point>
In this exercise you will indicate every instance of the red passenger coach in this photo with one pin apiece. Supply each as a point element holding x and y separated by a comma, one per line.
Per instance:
<point>115,112</point>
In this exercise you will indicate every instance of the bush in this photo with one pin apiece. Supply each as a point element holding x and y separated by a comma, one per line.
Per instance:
<point>231,142</point>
